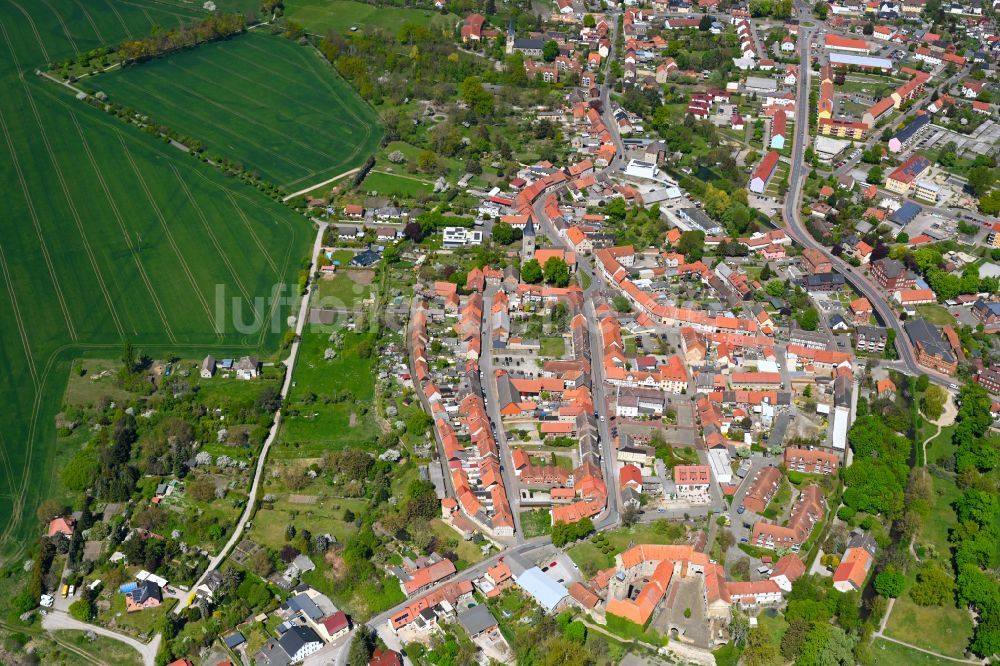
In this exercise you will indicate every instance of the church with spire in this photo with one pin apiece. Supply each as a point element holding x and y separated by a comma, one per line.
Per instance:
<point>529,47</point>
<point>528,240</point>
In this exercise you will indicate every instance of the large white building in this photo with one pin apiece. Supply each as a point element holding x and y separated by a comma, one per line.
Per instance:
<point>718,460</point>
<point>641,169</point>
<point>461,237</point>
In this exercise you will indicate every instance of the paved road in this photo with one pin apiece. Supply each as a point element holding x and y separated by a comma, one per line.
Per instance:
<point>262,458</point>
<point>610,516</point>
<point>59,621</point>
<point>796,227</point>
<point>488,381</point>
<point>475,571</point>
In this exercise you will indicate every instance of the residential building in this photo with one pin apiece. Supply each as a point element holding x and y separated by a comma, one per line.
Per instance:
<point>454,237</point>
<point>692,479</point>
<point>385,658</point>
<point>815,261</point>
<point>870,339</point>
<point>987,312</point>
<point>811,461</point>
<point>856,563</point>
<point>247,367</point>
<point>763,488</point>
<point>861,310</point>
<point>146,594</point>
<point>762,175</point>
<point>808,510</point>
<point>891,275</point>
<point>299,642</point>
<point>902,179</point>
<point>786,571</point>
<point>933,351</point>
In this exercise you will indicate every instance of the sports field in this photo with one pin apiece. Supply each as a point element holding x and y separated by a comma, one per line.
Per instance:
<point>258,99</point>
<point>108,234</point>
<point>320,16</point>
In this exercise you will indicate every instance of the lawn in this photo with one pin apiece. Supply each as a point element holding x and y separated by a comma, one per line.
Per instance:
<point>536,522</point>
<point>394,184</point>
<point>345,289</point>
<point>324,515</point>
<point>329,404</point>
<point>940,447</point>
<point>952,627</point>
<point>449,540</point>
<point>258,99</point>
<point>779,502</point>
<point>101,648</point>
<point>322,16</point>
<point>109,234</point>
<point>934,529</point>
<point>553,347</point>
<point>591,558</point>
<point>887,653</point>
<point>673,456</point>
<point>140,623</point>
<point>935,314</point>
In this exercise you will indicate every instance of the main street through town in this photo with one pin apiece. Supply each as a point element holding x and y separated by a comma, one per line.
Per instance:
<point>796,227</point>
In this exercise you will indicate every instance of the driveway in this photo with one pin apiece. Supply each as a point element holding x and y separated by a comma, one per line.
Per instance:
<point>59,621</point>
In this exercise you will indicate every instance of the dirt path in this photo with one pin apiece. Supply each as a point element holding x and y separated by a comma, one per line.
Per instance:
<point>57,621</point>
<point>325,182</point>
<point>947,419</point>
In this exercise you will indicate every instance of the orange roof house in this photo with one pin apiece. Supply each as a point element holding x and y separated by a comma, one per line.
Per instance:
<point>885,388</point>
<point>61,525</point>
<point>853,570</point>
<point>426,576</point>
<point>630,476</point>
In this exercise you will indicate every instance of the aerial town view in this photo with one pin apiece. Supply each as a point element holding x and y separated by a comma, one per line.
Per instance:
<point>534,332</point>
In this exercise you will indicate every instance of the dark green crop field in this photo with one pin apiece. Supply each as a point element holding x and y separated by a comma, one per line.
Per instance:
<point>258,99</point>
<point>108,234</point>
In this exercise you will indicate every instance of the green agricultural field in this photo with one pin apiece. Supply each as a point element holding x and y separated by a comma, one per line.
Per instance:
<point>258,99</point>
<point>322,16</point>
<point>108,234</point>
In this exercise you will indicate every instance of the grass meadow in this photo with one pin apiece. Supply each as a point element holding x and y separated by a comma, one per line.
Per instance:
<point>324,15</point>
<point>257,99</point>
<point>319,415</point>
<point>108,234</point>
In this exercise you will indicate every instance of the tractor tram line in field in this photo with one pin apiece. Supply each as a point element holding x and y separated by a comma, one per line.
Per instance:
<point>223,128</point>
<point>75,214</point>
<point>215,240</point>
<point>62,24</point>
<point>34,29</point>
<point>90,20</point>
<point>125,234</point>
<point>166,229</point>
<point>37,225</point>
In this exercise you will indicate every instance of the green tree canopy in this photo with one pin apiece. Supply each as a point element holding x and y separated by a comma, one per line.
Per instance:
<point>531,272</point>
